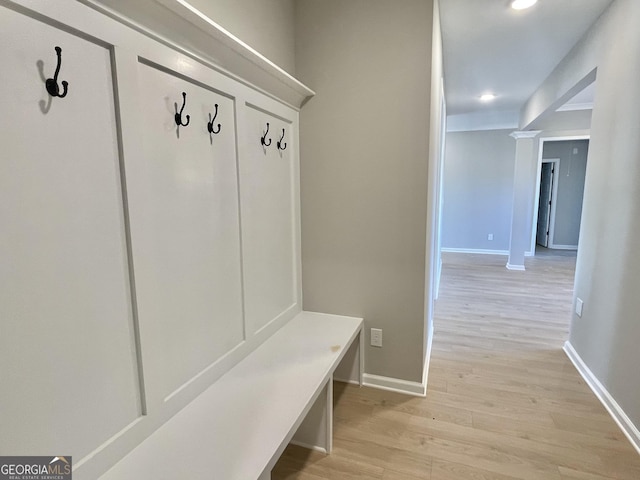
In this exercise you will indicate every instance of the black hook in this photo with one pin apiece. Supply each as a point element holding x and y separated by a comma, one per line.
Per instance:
<point>264,137</point>
<point>211,120</point>
<point>178,116</point>
<point>280,144</point>
<point>52,83</point>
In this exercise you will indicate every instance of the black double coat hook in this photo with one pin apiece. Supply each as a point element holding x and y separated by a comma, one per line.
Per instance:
<point>280,144</point>
<point>211,120</point>
<point>263,139</point>
<point>178,116</point>
<point>51,84</point>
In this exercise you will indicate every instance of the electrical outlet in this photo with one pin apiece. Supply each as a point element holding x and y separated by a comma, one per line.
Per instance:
<point>376,337</point>
<point>579,305</point>
<point>490,236</point>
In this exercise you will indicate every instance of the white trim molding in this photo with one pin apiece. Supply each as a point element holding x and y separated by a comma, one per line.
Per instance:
<point>609,403</point>
<point>204,40</point>
<point>520,134</point>
<point>553,246</point>
<point>417,389</point>
<point>427,357</point>
<point>479,251</point>
<point>315,448</point>
<point>438,276</point>
<point>571,107</point>
<point>345,380</point>
<point>517,268</point>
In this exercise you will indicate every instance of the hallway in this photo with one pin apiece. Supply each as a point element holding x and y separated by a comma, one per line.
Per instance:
<point>503,400</point>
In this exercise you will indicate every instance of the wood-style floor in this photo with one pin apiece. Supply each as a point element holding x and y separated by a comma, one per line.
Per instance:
<point>503,400</point>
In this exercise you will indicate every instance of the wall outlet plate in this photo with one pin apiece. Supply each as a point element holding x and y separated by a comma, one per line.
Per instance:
<point>376,337</point>
<point>490,236</point>
<point>579,305</point>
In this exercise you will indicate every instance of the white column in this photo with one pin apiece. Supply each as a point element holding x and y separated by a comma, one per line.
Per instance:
<point>524,182</point>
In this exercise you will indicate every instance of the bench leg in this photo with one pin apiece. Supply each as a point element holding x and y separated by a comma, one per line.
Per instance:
<point>316,430</point>
<point>351,367</point>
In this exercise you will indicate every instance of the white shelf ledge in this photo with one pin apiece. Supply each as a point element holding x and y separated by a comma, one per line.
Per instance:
<point>180,25</point>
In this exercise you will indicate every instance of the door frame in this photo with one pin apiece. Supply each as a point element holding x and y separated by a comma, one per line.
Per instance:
<point>554,195</point>
<point>536,204</point>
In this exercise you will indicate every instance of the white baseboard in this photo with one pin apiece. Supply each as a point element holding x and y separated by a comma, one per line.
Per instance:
<point>616,412</point>
<point>343,380</point>
<point>519,268</point>
<point>562,247</point>
<point>529,254</point>
<point>480,251</point>
<point>417,389</point>
<point>309,447</point>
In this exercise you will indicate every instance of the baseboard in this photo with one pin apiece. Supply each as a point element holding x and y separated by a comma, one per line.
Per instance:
<point>563,247</point>
<point>616,412</point>
<point>519,268</point>
<point>342,380</point>
<point>480,251</point>
<point>417,389</point>
<point>309,447</point>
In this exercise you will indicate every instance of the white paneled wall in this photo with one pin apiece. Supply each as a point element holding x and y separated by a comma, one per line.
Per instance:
<point>268,198</point>
<point>140,259</point>
<point>66,323</point>
<point>184,219</point>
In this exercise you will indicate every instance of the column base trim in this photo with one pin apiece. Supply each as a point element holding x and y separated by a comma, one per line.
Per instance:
<point>519,268</point>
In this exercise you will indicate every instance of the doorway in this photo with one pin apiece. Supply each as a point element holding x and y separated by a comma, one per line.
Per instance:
<point>547,201</point>
<point>559,192</point>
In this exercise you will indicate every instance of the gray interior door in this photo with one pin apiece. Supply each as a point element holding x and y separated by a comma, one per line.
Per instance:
<point>544,207</point>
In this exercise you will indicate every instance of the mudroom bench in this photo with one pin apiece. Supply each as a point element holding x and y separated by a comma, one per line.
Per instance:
<point>238,428</point>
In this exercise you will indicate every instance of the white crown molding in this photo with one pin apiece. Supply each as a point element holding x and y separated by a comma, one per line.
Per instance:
<point>179,25</point>
<point>519,134</point>
<point>570,107</point>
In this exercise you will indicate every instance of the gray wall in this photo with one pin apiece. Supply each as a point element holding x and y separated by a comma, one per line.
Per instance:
<point>608,266</point>
<point>572,170</point>
<point>570,120</point>
<point>265,25</point>
<point>478,190</point>
<point>364,168</point>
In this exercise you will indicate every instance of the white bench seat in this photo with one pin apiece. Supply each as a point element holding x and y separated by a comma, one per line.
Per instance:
<point>238,427</point>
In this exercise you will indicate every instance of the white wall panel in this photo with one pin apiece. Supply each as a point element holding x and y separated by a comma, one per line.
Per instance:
<point>68,375</point>
<point>140,260</point>
<point>268,219</point>
<point>185,227</point>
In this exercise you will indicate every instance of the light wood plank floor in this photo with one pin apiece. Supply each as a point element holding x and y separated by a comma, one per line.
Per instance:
<point>503,401</point>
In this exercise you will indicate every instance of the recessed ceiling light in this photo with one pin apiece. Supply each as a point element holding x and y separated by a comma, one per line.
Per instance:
<point>522,4</point>
<point>487,97</point>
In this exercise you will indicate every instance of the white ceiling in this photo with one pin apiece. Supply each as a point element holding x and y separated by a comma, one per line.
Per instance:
<point>488,47</point>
